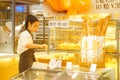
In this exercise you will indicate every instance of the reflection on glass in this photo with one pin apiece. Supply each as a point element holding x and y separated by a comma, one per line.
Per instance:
<point>5,27</point>
<point>6,23</point>
<point>20,15</point>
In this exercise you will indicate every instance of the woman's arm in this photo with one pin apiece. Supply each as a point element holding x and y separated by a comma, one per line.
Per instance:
<point>42,46</point>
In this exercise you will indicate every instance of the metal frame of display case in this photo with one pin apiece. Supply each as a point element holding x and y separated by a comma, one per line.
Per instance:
<point>118,47</point>
<point>117,53</point>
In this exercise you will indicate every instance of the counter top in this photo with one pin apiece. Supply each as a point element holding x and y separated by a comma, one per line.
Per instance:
<point>3,55</point>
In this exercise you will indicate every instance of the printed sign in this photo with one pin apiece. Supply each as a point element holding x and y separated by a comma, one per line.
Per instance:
<point>58,24</point>
<point>101,6</point>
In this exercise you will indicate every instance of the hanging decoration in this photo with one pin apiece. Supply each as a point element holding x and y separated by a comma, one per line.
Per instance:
<point>59,5</point>
<point>70,7</point>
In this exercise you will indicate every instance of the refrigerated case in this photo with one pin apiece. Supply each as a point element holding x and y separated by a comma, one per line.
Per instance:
<point>71,54</point>
<point>47,74</point>
<point>65,45</point>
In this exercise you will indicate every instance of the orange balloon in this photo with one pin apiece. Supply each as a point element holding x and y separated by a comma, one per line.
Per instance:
<point>79,6</point>
<point>70,6</point>
<point>59,5</point>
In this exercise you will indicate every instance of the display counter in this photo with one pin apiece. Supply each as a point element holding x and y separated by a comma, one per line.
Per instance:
<point>58,74</point>
<point>8,65</point>
<point>43,57</point>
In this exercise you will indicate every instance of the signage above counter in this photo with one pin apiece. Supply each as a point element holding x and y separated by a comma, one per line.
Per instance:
<point>96,6</point>
<point>102,6</point>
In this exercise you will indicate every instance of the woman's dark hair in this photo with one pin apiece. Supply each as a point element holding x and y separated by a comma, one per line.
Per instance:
<point>30,18</point>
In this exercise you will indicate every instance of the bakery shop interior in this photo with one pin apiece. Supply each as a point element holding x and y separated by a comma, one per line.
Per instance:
<point>59,40</point>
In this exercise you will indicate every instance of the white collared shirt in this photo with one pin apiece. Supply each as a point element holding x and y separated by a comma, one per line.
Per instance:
<point>25,38</point>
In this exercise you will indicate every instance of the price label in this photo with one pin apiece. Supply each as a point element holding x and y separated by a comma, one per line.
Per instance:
<point>38,65</point>
<point>58,24</point>
<point>69,65</point>
<point>93,67</point>
<point>59,63</point>
<point>52,64</point>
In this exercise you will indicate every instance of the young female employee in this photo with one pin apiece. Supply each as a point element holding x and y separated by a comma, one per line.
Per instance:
<point>25,43</point>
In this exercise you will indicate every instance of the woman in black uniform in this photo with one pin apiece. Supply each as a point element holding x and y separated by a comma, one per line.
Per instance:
<point>25,43</point>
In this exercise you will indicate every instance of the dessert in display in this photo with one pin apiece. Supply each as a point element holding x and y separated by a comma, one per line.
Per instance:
<point>64,57</point>
<point>92,44</point>
<point>68,46</point>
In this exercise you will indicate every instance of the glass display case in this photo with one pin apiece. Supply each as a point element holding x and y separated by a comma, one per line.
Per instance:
<point>46,74</point>
<point>65,45</point>
<point>72,54</point>
<point>65,48</point>
<point>6,15</point>
<point>65,38</point>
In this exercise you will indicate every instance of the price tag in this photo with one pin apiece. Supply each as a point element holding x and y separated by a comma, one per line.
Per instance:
<point>69,65</point>
<point>38,65</point>
<point>59,64</point>
<point>58,24</point>
<point>93,67</point>
<point>52,64</point>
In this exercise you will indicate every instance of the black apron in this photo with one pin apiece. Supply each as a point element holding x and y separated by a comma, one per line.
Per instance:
<point>26,60</point>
